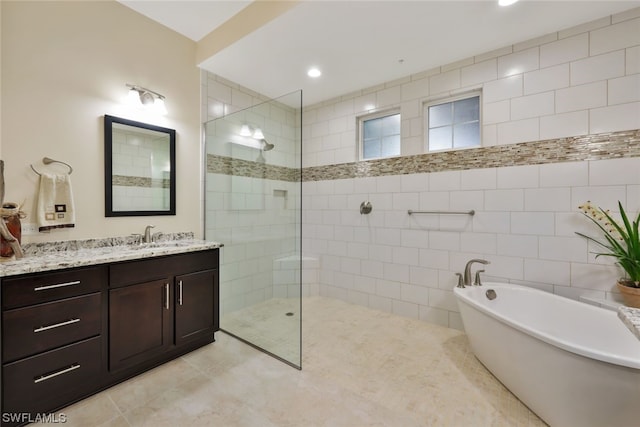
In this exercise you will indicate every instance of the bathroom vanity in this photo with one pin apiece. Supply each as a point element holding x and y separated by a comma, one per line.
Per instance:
<point>105,316</point>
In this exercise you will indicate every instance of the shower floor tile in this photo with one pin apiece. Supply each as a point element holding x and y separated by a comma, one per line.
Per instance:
<point>360,368</point>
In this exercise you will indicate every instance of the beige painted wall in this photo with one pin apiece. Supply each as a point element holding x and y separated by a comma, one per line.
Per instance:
<point>64,66</point>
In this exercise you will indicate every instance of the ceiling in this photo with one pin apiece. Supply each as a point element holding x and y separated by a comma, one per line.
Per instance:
<point>359,43</point>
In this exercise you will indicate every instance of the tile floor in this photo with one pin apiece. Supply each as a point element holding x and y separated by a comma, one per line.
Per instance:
<point>361,368</point>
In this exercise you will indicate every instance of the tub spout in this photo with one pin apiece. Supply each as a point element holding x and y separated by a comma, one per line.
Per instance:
<point>467,270</point>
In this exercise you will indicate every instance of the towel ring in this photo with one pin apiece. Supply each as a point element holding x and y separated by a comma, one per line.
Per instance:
<point>47,160</point>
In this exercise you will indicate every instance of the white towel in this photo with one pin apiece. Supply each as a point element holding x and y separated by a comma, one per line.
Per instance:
<point>55,202</point>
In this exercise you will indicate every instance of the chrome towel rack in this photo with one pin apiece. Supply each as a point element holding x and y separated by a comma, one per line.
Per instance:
<point>471,212</point>
<point>47,160</point>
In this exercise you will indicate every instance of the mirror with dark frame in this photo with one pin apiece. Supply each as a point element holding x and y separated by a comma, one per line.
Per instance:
<point>139,168</point>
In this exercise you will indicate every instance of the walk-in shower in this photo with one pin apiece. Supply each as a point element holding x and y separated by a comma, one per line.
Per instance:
<point>253,206</point>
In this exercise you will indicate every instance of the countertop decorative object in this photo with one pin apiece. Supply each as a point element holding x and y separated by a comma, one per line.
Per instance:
<point>631,317</point>
<point>76,253</point>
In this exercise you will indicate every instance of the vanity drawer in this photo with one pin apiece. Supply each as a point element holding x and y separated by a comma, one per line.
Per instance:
<point>43,287</point>
<point>42,327</point>
<point>53,378</point>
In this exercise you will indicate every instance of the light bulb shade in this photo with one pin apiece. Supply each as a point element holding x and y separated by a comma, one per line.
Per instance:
<point>159,107</point>
<point>133,98</point>
<point>245,131</point>
<point>257,134</point>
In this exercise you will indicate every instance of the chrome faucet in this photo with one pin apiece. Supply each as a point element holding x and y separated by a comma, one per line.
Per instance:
<point>147,233</point>
<point>467,272</point>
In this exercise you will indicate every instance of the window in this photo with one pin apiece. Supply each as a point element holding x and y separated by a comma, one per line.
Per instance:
<point>454,123</point>
<point>379,135</point>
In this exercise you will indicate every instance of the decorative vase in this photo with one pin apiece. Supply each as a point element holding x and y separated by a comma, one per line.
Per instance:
<point>630,295</point>
<point>10,213</point>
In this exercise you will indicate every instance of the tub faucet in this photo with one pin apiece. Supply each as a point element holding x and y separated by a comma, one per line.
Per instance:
<point>467,271</point>
<point>147,233</point>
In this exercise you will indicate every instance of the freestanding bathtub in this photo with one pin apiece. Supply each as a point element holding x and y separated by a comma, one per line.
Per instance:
<point>571,363</point>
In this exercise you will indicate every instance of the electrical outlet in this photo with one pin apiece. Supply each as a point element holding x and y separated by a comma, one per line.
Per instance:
<point>29,228</point>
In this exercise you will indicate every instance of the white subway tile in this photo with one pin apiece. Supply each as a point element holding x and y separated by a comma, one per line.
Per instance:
<point>581,97</point>
<point>414,238</point>
<point>380,303</point>
<point>519,131</point>
<point>388,184</point>
<point>573,249</point>
<point>388,288</point>
<point>478,179</point>
<point>425,277</point>
<point>434,200</point>
<point>494,54</point>
<point>615,171</point>
<point>405,201</point>
<point>594,276</point>
<point>444,181</point>
<point>533,223</point>
<point>444,240</point>
<point>564,50</point>
<point>467,200</point>
<point>415,294</point>
<point>565,124</point>
<point>365,103</point>
<point>618,36</point>
<point>479,73</point>
<point>444,82</point>
<point>547,199</point>
<point>416,89</point>
<point>396,272</point>
<point>414,182</point>
<point>357,251</point>
<point>508,267</point>
<point>600,195</point>
<point>584,28</point>
<point>485,243</point>
<point>405,309</point>
<point>504,200</point>
<point>518,176</point>
<point>633,60</point>
<point>350,265</point>
<point>492,222</point>
<point>540,104</point>
<point>456,65</point>
<point>597,68</point>
<point>519,62</point>
<point>542,271</point>
<point>615,118</point>
<point>633,198</point>
<point>571,174</point>
<point>411,109</point>
<point>624,89</point>
<point>517,245</point>
<point>489,135</point>
<point>433,258</point>
<point>546,79</point>
<point>527,44</point>
<point>506,88</point>
<point>496,112</point>
<point>390,96</point>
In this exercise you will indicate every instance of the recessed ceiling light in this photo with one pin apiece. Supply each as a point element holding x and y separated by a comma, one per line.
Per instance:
<point>506,2</point>
<point>314,72</point>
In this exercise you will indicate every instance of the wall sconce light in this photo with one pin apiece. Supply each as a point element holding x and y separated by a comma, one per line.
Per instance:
<point>146,98</point>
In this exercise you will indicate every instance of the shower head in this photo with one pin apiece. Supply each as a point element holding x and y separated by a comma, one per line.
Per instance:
<point>266,146</point>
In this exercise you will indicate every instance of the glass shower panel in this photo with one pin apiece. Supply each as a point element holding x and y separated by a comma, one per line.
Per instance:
<point>253,206</point>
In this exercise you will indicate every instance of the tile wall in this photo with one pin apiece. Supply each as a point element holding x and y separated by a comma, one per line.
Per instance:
<point>583,81</point>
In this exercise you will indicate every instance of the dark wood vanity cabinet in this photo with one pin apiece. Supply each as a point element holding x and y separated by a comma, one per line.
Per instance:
<point>68,334</point>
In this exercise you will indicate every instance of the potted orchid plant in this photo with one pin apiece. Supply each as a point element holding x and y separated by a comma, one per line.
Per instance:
<point>622,242</point>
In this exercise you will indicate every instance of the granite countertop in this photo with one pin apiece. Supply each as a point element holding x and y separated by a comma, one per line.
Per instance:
<point>49,256</point>
<point>631,317</point>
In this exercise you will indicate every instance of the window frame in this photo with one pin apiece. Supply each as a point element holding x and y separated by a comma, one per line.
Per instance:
<point>444,100</point>
<point>372,116</point>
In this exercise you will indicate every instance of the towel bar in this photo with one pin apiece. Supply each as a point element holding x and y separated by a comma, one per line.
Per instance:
<point>471,212</point>
<point>47,160</point>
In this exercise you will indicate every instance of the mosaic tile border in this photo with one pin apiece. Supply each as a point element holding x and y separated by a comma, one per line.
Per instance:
<point>238,167</point>
<point>139,181</point>
<point>611,145</point>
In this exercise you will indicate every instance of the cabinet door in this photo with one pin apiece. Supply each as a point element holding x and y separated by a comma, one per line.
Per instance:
<point>196,305</point>
<point>140,323</point>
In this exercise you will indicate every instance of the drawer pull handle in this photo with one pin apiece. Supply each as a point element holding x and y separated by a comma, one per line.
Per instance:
<point>59,285</point>
<point>166,296</point>
<point>55,374</point>
<point>180,292</point>
<point>56,325</point>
